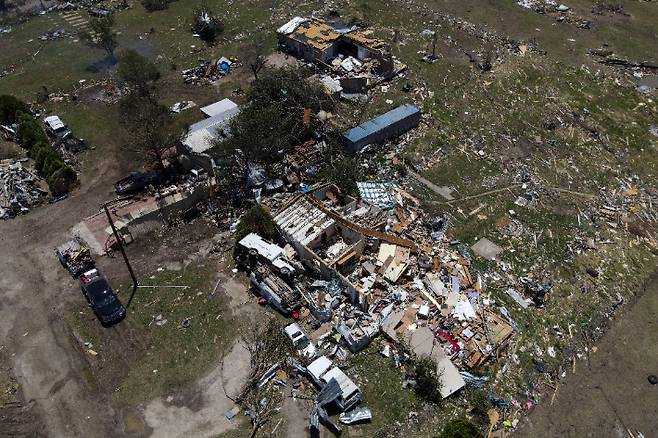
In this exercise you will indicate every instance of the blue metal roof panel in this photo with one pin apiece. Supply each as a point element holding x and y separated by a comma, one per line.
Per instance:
<point>365,129</point>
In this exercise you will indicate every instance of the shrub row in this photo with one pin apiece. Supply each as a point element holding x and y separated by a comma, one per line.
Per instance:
<point>59,176</point>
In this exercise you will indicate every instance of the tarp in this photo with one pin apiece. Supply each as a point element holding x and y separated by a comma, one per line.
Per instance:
<point>379,194</point>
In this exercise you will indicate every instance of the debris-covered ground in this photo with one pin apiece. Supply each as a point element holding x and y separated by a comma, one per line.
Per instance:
<point>512,228</point>
<point>20,189</point>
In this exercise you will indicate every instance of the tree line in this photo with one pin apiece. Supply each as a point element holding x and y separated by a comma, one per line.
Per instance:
<point>31,137</point>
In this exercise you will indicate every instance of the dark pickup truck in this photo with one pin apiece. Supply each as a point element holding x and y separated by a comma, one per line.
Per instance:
<point>102,298</point>
<point>135,182</point>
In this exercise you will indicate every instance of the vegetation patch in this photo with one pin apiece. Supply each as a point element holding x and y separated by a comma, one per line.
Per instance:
<point>170,337</point>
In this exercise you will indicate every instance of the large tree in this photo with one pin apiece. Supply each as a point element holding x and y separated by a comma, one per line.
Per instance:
<point>101,34</point>
<point>151,127</point>
<point>272,123</point>
<point>138,72</point>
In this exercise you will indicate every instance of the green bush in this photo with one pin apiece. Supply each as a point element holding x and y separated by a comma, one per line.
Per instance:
<point>39,153</point>
<point>428,380</point>
<point>11,108</point>
<point>61,180</point>
<point>52,164</point>
<point>344,171</point>
<point>257,220</point>
<point>461,428</point>
<point>38,147</point>
<point>29,132</point>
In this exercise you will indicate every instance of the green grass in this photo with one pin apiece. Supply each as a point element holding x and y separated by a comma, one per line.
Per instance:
<point>391,405</point>
<point>59,65</point>
<point>180,355</point>
<point>381,384</point>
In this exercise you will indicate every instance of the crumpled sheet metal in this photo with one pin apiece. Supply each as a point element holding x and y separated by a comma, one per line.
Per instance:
<point>356,415</point>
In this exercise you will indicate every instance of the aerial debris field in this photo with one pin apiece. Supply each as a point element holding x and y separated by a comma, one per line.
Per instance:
<point>356,218</point>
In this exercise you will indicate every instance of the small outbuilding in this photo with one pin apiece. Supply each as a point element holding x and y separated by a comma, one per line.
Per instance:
<point>202,135</point>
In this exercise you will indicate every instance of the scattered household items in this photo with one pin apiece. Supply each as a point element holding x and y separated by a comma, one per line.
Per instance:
<point>210,71</point>
<point>181,106</point>
<point>373,267</point>
<point>53,35</point>
<point>357,415</point>
<point>384,127</point>
<point>19,189</point>
<point>75,256</point>
<point>102,298</point>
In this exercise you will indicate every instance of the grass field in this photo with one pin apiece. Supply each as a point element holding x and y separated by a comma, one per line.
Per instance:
<point>147,360</point>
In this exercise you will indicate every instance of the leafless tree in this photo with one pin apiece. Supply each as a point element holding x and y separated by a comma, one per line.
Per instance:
<point>267,347</point>
<point>256,57</point>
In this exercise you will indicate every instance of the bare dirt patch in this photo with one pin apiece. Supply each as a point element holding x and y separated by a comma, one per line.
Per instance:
<point>170,416</point>
<point>609,394</point>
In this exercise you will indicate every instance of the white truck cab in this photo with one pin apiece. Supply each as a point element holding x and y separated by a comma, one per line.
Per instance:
<point>299,339</point>
<point>273,254</point>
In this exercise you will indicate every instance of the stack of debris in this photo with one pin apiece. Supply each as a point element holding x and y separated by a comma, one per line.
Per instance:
<point>19,189</point>
<point>560,11</point>
<point>374,265</point>
<point>75,256</point>
<point>210,71</point>
<point>54,35</point>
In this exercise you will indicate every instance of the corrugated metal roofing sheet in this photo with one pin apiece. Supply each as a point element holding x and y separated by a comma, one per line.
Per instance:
<point>378,123</point>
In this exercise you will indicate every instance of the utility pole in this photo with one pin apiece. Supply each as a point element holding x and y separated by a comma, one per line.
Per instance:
<point>434,45</point>
<point>123,251</point>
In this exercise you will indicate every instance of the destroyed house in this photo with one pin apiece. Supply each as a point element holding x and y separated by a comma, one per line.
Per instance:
<point>384,127</point>
<point>307,227</point>
<point>315,40</point>
<point>319,227</point>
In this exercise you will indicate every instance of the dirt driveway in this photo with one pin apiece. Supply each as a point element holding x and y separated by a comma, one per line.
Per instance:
<point>610,395</point>
<point>44,358</point>
<point>34,290</point>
